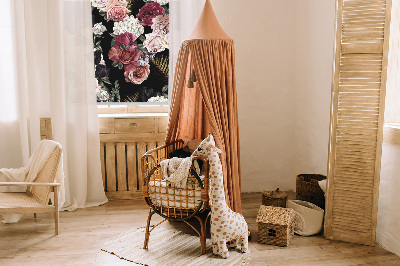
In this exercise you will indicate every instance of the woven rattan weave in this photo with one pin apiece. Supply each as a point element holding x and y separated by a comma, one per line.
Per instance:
<point>308,189</point>
<point>275,225</point>
<point>171,202</point>
<point>274,198</point>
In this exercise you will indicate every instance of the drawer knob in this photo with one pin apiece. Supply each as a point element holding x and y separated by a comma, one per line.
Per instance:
<point>133,124</point>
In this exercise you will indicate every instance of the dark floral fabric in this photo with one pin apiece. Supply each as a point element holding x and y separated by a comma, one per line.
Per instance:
<point>131,50</point>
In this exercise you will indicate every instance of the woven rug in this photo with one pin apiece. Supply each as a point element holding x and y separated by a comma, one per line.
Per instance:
<point>168,247</point>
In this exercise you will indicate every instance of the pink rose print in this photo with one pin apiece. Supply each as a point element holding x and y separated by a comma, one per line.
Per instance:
<point>153,43</point>
<point>126,39</point>
<point>129,57</point>
<point>138,75</point>
<point>148,12</point>
<point>161,25</point>
<point>116,10</point>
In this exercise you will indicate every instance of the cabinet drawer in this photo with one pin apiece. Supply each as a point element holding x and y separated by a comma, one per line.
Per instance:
<point>162,124</point>
<point>134,125</point>
<point>106,125</point>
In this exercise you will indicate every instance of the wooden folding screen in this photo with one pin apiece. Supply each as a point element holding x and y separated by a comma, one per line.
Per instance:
<point>358,96</point>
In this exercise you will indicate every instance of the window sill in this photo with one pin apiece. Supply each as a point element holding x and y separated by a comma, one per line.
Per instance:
<point>132,110</point>
<point>122,115</point>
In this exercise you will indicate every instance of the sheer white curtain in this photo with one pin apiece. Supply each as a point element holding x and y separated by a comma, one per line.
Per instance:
<point>183,18</point>
<point>10,147</point>
<point>55,78</point>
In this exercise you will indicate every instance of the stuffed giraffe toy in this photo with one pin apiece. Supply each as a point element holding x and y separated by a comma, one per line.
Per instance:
<point>226,225</point>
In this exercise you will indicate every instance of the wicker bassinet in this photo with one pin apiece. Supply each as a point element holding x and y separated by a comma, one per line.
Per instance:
<point>170,202</point>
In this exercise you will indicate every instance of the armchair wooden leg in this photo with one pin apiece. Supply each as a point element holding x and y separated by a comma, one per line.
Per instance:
<point>56,212</point>
<point>147,235</point>
<point>34,215</point>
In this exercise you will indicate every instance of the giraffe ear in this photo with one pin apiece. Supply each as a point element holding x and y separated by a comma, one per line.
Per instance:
<point>216,149</point>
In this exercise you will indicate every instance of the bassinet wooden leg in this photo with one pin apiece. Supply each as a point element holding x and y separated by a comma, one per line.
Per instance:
<point>147,235</point>
<point>203,236</point>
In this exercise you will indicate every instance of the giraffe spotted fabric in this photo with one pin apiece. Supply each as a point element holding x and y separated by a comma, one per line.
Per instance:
<point>226,225</point>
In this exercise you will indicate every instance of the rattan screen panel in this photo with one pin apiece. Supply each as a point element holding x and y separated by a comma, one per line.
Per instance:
<point>358,95</point>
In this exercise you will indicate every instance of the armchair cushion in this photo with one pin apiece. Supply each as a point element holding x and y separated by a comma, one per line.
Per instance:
<point>16,199</point>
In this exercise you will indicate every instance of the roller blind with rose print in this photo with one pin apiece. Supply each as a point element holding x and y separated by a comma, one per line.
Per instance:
<point>131,50</point>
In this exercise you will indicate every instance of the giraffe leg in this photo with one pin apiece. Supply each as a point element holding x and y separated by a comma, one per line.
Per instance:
<point>233,243</point>
<point>215,248</point>
<point>243,243</point>
<point>222,249</point>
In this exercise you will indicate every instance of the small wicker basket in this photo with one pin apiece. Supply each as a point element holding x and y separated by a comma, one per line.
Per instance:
<point>274,198</point>
<point>275,225</point>
<point>308,189</point>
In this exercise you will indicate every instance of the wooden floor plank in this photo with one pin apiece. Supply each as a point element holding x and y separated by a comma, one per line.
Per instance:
<point>82,233</point>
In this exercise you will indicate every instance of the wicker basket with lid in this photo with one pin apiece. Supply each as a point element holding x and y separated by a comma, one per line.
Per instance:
<point>274,198</point>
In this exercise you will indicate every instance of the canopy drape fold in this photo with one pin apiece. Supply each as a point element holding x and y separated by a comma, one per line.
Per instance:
<point>211,106</point>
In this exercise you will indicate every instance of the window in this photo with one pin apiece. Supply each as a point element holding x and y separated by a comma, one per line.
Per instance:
<point>392,108</point>
<point>131,50</point>
<point>8,108</point>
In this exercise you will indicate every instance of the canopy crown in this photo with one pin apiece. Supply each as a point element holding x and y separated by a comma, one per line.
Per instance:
<point>207,26</point>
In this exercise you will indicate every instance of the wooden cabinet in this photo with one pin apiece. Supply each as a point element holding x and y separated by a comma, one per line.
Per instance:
<point>123,141</point>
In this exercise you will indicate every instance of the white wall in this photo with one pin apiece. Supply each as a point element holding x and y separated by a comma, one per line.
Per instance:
<point>314,60</point>
<point>264,36</point>
<point>284,52</point>
<point>388,227</point>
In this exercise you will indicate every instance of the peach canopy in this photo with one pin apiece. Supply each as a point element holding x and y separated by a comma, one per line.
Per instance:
<point>210,104</point>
